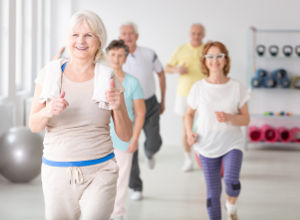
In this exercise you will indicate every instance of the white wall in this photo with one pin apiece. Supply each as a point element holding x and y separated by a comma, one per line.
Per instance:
<point>164,25</point>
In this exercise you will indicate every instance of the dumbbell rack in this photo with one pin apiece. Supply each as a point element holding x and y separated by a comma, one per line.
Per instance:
<point>273,99</point>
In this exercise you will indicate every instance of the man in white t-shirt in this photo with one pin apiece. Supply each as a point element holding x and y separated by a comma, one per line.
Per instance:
<point>142,63</point>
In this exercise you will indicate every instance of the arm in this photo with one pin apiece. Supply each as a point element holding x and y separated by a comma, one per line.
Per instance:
<point>176,69</point>
<point>139,113</point>
<point>38,117</point>
<point>162,84</point>
<point>188,123</point>
<point>240,119</point>
<point>122,123</point>
<point>40,113</point>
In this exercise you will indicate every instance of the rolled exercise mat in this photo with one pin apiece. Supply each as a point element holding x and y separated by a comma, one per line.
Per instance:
<point>261,73</point>
<point>255,134</point>
<point>256,82</point>
<point>296,134</point>
<point>285,135</point>
<point>279,74</point>
<point>285,82</point>
<point>269,82</point>
<point>295,82</point>
<point>270,134</point>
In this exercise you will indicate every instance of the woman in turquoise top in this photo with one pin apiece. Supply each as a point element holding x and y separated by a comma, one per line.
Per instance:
<point>117,53</point>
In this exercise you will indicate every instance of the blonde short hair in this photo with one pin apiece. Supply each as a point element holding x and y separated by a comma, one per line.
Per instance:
<point>94,22</point>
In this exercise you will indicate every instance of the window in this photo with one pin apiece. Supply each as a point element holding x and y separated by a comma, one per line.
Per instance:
<point>21,44</point>
<point>3,47</point>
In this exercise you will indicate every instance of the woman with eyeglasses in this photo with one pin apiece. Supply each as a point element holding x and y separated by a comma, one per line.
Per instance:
<point>220,103</point>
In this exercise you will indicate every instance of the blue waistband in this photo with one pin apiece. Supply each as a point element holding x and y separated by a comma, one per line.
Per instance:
<point>77,163</point>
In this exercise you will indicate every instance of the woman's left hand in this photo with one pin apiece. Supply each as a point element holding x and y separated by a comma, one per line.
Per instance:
<point>133,146</point>
<point>222,116</point>
<point>113,96</point>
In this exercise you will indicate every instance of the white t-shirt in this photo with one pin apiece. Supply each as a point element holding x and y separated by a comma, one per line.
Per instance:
<point>141,64</point>
<point>217,138</point>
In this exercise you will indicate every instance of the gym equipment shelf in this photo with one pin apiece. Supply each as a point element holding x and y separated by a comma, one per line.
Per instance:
<point>275,117</point>
<point>276,88</point>
<point>294,57</point>
<point>277,99</point>
<point>275,144</point>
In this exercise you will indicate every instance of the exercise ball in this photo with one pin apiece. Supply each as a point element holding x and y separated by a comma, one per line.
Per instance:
<point>20,154</point>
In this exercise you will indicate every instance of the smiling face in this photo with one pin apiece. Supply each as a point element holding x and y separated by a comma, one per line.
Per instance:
<point>215,60</point>
<point>83,43</point>
<point>129,36</point>
<point>196,35</point>
<point>116,58</point>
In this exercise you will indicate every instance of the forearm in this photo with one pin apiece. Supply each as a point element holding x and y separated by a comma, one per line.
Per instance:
<point>188,122</point>
<point>38,121</point>
<point>122,123</point>
<point>162,82</point>
<point>239,120</point>
<point>171,69</point>
<point>138,125</point>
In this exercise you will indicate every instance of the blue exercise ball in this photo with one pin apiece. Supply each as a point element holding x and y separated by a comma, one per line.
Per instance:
<point>20,154</point>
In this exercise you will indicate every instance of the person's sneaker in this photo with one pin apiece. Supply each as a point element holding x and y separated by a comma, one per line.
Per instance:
<point>118,218</point>
<point>231,210</point>
<point>136,196</point>
<point>150,162</point>
<point>232,216</point>
<point>187,166</point>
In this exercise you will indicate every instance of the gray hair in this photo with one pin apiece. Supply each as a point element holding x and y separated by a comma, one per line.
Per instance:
<point>131,24</point>
<point>94,22</point>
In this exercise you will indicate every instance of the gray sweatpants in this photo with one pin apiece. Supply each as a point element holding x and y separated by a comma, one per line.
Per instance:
<point>71,192</point>
<point>152,143</point>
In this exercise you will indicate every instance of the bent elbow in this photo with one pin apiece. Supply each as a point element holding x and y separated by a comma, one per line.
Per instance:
<point>33,129</point>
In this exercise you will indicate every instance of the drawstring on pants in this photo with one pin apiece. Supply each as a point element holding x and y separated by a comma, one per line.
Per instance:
<point>75,175</point>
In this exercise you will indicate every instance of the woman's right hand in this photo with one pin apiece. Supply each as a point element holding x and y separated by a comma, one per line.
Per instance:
<point>192,138</point>
<point>56,105</point>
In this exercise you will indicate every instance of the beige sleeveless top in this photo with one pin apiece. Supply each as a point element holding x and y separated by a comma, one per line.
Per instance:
<point>81,131</point>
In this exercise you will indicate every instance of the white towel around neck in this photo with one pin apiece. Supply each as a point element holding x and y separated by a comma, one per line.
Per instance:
<point>52,83</point>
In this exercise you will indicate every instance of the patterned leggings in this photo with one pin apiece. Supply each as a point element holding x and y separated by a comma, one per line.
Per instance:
<point>232,162</point>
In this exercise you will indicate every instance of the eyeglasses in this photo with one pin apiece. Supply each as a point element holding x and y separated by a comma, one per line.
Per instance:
<point>219,56</point>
